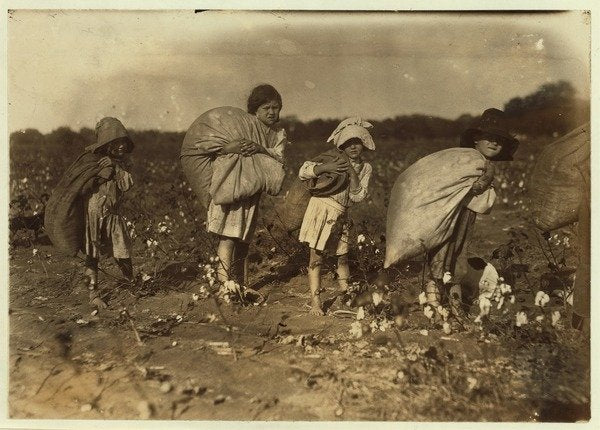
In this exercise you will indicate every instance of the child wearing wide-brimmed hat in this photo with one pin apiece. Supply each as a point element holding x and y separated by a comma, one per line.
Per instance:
<point>325,222</point>
<point>83,212</point>
<point>490,136</point>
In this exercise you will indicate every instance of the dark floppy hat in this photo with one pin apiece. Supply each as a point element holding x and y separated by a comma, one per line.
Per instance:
<point>327,183</point>
<point>493,123</point>
<point>109,129</point>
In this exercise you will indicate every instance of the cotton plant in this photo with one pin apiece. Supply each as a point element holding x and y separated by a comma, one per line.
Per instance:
<point>366,245</point>
<point>229,290</point>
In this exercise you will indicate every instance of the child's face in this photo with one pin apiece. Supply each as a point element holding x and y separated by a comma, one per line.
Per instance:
<point>353,148</point>
<point>268,113</point>
<point>488,146</point>
<point>117,149</point>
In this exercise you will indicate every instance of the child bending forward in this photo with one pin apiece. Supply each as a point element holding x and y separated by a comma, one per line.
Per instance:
<point>326,223</point>
<point>105,229</point>
<point>82,214</point>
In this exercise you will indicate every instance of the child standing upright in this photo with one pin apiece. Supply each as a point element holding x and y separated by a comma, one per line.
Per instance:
<point>325,222</point>
<point>234,224</point>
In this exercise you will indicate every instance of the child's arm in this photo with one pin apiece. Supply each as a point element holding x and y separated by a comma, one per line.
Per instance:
<point>353,175</point>
<point>106,173</point>
<point>311,169</point>
<point>233,147</point>
<point>359,193</point>
<point>484,181</point>
<point>276,152</point>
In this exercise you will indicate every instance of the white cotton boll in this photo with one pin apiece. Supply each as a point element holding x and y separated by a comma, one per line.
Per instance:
<point>447,277</point>
<point>500,303</point>
<point>555,318</point>
<point>539,318</point>
<point>446,328</point>
<point>360,314</point>
<point>521,319</point>
<point>428,312</point>
<point>377,298</point>
<point>422,298</point>
<point>541,299</point>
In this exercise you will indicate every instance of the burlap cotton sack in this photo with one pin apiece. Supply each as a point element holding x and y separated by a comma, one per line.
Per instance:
<point>236,177</point>
<point>64,219</point>
<point>555,185</point>
<point>207,135</point>
<point>426,199</point>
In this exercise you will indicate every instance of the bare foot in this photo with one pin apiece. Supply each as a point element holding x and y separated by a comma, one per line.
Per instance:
<point>99,303</point>
<point>95,300</point>
<point>317,307</point>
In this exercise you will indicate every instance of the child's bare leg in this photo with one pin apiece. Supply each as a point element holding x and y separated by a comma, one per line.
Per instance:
<point>126,266</point>
<point>314,279</point>
<point>343,272</point>
<point>91,271</point>
<point>225,254</point>
<point>240,264</point>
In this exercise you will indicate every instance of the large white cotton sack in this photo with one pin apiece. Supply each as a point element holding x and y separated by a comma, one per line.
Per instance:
<point>556,180</point>
<point>426,199</point>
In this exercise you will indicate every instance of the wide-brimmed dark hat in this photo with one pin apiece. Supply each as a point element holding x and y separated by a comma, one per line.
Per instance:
<point>492,123</point>
<point>109,129</point>
<point>327,184</point>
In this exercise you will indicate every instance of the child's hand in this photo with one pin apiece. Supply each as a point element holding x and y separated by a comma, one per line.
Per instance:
<point>105,162</point>
<point>338,166</point>
<point>233,147</point>
<point>249,148</point>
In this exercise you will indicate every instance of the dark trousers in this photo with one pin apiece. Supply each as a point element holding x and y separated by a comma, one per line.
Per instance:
<point>125,265</point>
<point>449,257</point>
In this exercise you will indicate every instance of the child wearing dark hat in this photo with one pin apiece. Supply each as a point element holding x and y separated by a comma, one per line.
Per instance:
<point>83,212</point>
<point>490,137</point>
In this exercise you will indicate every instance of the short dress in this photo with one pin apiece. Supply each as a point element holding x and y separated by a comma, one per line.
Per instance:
<point>238,220</point>
<point>105,229</point>
<point>325,222</point>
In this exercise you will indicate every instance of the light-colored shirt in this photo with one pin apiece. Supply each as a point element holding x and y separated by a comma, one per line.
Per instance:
<point>344,197</point>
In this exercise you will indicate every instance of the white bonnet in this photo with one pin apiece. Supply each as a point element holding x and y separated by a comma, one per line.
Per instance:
<point>351,128</point>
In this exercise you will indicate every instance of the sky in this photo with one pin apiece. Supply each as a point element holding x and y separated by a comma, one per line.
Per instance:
<point>161,69</point>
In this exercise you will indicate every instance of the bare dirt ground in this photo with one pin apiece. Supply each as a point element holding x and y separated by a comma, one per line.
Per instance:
<point>169,356</point>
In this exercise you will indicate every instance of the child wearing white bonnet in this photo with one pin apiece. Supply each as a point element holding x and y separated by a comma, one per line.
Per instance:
<point>326,224</point>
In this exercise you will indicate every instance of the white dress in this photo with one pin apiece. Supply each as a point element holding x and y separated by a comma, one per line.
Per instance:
<point>325,222</point>
<point>238,220</point>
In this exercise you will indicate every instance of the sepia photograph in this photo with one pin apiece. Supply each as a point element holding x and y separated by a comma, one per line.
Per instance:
<point>298,215</point>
